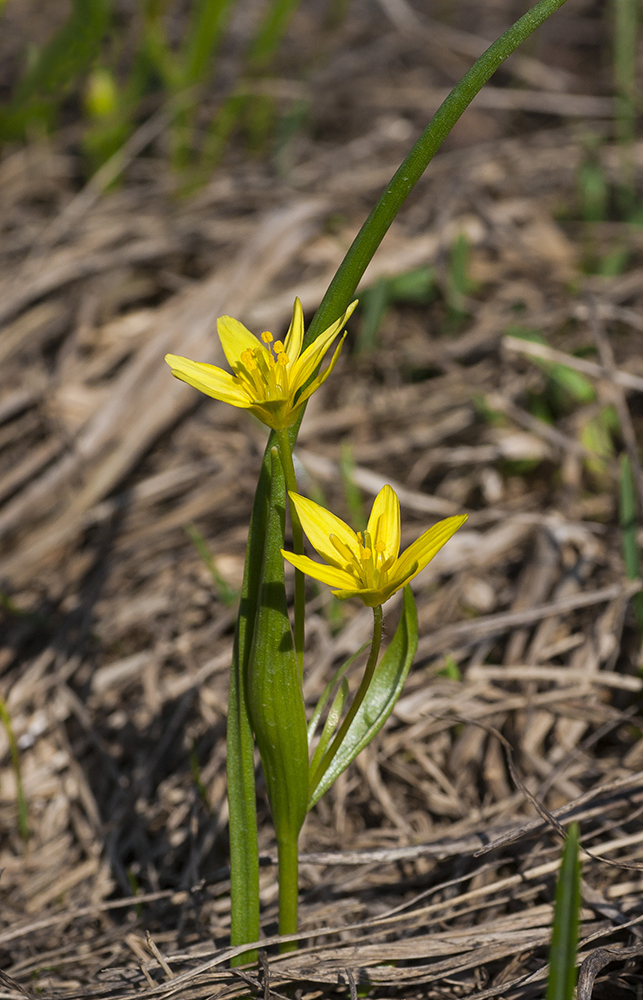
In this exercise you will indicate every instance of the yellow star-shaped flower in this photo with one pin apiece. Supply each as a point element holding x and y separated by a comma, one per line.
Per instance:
<point>267,375</point>
<point>366,565</point>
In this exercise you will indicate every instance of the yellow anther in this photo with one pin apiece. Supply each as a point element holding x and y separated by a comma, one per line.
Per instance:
<point>365,554</point>
<point>247,356</point>
<point>266,337</point>
<point>282,359</point>
<point>251,365</point>
<point>278,346</point>
<point>380,546</point>
<point>271,361</point>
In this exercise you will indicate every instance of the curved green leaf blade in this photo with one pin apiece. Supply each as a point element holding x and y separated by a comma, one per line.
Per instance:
<point>325,695</point>
<point>332,721</point>
<point>386,687</point>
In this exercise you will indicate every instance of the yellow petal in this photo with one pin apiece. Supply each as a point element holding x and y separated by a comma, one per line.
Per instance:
<point>319,571</point>
<point>384,523</point>
<point>235,339</point>
<point>209,379</point>
<point>295,336</point>
<point>320,379</point>
<point>306,364</point>
<point>421,551</point>
<point>319,524</point>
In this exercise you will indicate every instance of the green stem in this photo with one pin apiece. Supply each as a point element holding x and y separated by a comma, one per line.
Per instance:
<point>285,453</point>
<point>342,288</point>
<point>357,700</point>
<point>288,888</point>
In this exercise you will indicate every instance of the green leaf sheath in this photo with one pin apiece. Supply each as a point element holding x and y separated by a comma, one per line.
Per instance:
<point>276,705</point>
<point>564,941</point>
<point>383,692</point>
<point>342,288</point>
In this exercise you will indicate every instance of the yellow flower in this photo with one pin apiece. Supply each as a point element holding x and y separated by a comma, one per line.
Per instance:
<point>366,565</point>
<point>267,374</point>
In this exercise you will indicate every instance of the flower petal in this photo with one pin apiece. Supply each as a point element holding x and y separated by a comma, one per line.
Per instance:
<point>422,550</point>
<point>319,524</point>
<point>319,571</point>
<point>209,379</point>
<point>306,364</point>
<point>235,339</point>
<point>321,378</point>
<point>295,336</point>
<point>384,523</point>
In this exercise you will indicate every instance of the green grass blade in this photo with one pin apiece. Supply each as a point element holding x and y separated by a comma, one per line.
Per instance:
<point>23,820</point>
<point>207,25</point>
<point>271,31</point>
<point>564,941</point>
<point>225,593</point>
<point>629,526</point>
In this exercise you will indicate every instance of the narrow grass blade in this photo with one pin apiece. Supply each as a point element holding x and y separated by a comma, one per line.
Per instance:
<point>23,820</point>
<point>627,510</point>
<point>564,941</point>
<point>225,593</point>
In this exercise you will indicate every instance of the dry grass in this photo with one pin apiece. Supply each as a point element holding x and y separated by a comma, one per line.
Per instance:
<point>429,869</point>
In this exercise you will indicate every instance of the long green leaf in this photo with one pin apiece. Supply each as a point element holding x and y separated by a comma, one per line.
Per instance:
<point>564,941</point>
<point>275,698</point>
<point>342,288</point>
<point>276,706</point>
<point>385,689</point>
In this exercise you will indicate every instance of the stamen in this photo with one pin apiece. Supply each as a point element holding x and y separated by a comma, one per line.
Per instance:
<point>266,336</point>
<point>282,359</point>
<point>278,346</point>
<point>380,546</point>
<point>342,548</point>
